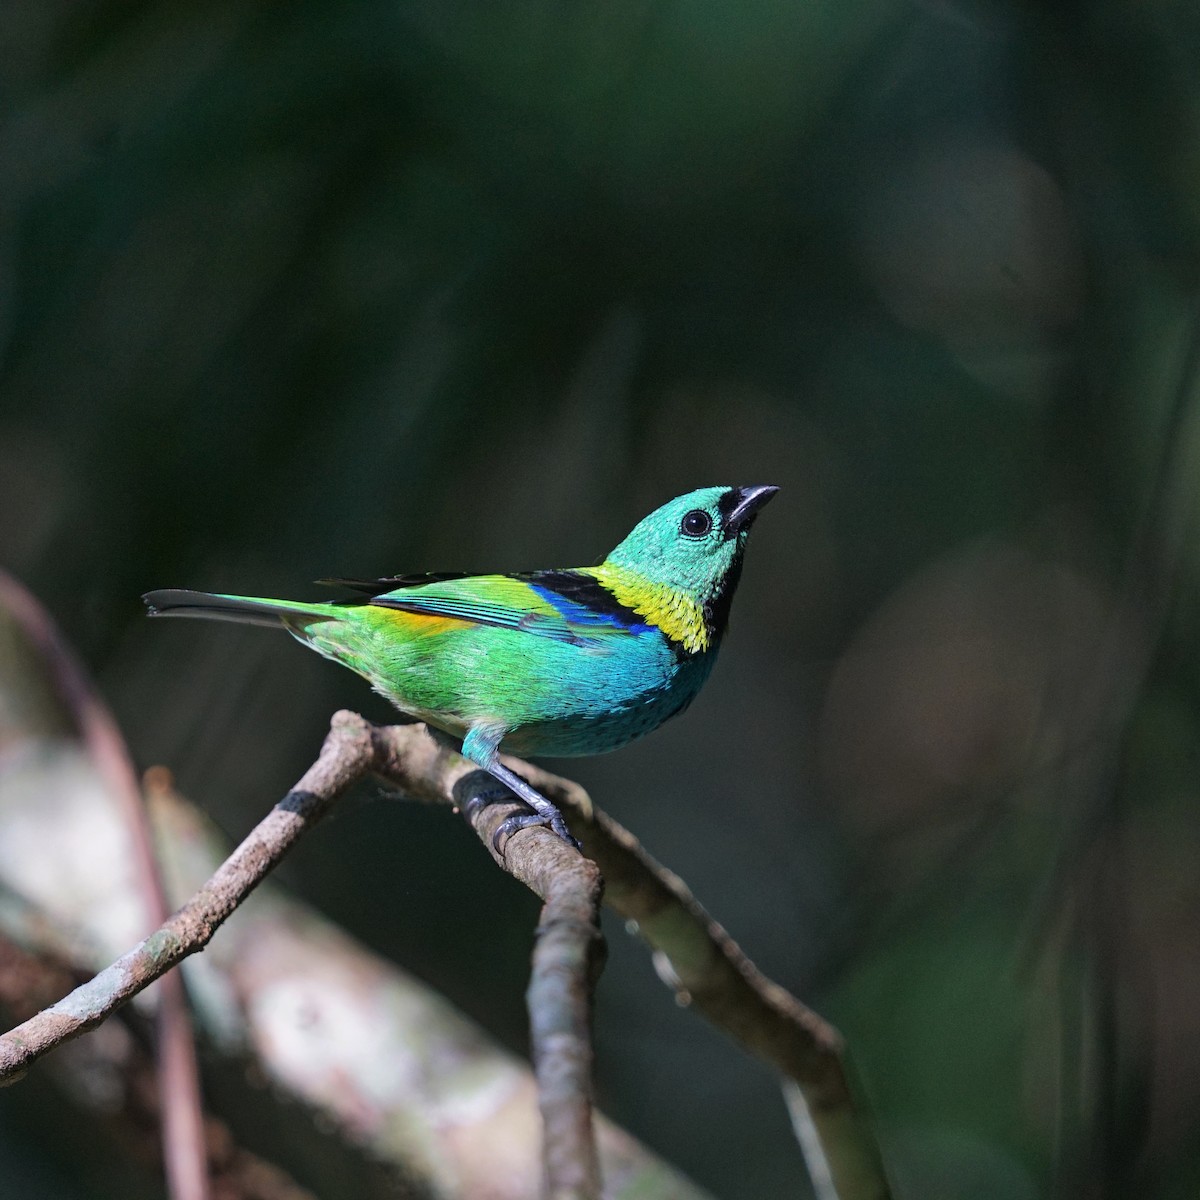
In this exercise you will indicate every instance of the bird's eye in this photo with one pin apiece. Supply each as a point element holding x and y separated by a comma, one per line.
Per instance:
<point>695,524</point>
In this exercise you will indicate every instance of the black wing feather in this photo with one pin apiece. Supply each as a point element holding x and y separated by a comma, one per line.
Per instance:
<point>378,587</point>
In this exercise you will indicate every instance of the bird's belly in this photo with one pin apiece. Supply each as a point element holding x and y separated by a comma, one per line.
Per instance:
<point>592,731</point>
<point>569,737</point>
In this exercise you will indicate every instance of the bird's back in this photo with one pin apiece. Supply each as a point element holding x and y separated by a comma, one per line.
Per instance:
<point>554,657</point>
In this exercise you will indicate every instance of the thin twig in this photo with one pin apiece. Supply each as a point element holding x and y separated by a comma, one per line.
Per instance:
<point>185,1157</point>
<point>311,1029</point>
<point>810,1141</point>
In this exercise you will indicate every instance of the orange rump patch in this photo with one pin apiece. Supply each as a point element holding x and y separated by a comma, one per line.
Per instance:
<point>422,624</point>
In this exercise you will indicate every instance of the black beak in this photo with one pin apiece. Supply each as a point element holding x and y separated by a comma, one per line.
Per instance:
<point>740,506</point>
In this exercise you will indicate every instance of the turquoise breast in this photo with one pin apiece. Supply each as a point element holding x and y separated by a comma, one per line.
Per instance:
<point>597,734</point>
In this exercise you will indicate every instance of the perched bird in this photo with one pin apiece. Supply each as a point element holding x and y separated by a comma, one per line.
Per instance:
<point>563,662</point>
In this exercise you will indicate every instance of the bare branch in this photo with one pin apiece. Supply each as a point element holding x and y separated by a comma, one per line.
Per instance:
<point>386,1083</point>
<point>707,968</point>
<point>567,959</point>
<point>344,757</point>
<point>129,1108</point>
<point>710,972</point>
<point>564,960</point>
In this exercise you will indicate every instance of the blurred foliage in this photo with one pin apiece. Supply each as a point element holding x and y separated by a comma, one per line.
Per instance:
<point>308,289</point>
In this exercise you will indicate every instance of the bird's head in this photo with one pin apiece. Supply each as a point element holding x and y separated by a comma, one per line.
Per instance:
<point>694,545</point>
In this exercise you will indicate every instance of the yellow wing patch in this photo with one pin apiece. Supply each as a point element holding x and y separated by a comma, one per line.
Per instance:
<point>673,611</point>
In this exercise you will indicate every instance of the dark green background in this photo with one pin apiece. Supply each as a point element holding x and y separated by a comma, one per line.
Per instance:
<point>291,290</point>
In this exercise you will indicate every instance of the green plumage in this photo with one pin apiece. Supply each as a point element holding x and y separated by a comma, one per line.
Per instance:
<point>549,662</point>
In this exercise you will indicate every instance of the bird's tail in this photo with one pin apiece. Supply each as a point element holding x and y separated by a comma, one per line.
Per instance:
<point>250,610</point>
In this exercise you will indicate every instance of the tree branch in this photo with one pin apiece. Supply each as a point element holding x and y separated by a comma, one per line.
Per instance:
<point>564,962</point>
<point>696,956</point>
<point>128,1109</point>
<point>344,758</point>
<point>567,958</point>
<point>707,968</point>
<point>710,972</point>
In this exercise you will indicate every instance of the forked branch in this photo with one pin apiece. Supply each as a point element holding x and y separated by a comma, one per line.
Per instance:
<point>706,967</point>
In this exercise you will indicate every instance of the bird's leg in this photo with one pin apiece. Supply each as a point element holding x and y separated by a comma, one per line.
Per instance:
<point>480,747</point>
<point>544,813</point>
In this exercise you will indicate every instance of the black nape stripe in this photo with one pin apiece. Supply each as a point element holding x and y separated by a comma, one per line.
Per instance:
<point>584,590</point>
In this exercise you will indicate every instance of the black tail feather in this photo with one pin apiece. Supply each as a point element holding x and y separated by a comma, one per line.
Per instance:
<point>179,602</point>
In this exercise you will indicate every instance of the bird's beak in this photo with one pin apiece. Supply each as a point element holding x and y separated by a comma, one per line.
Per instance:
<point>746,503</point>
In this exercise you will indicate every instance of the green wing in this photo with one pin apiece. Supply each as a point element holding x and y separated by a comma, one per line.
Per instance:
<point>554,604</point>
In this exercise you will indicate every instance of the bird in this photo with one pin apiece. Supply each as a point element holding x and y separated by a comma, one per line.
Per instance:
<point>553,662</point>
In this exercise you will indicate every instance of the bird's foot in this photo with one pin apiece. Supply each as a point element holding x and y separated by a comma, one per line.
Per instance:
<point>510,786</point>
<point>553,821</point>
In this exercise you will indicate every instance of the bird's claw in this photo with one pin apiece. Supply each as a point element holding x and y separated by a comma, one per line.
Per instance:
<point>518,821</point>
<point>541,813</point>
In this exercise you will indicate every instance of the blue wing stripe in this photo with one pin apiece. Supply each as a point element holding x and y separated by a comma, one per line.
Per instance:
<point>581,614</point>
